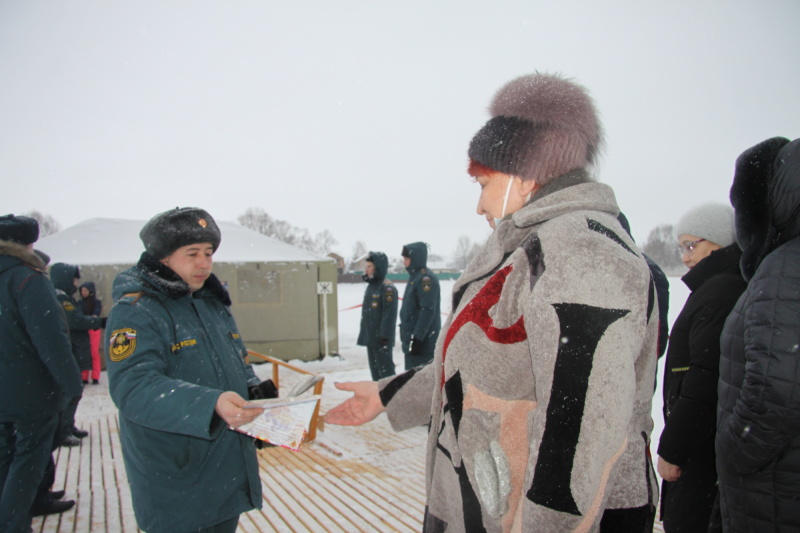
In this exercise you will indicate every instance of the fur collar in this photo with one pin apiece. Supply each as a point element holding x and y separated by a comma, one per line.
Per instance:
<point>749,196</point>
<point>165,280</point>
<point>23,253</point>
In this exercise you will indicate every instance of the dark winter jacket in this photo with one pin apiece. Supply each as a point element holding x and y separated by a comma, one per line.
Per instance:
<point>63,276</point>
<point>758,420</point>
<point>690,388</point>
<point>379,310</point>
<point>420,316</point>
<point>540,393</point>
<point>38,373</point>
<point>91,305</point>
<point>662,291</point>
<point>171,353</point>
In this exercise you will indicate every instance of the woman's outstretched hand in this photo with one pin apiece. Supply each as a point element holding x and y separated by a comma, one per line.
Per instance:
<point>363,406</point>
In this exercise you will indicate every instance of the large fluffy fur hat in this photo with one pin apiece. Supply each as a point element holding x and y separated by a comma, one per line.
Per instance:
<point>542,126</point>
<point>168,231</point>
<point>749,196</point>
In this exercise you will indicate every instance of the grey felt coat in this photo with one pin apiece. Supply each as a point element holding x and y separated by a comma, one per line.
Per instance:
<point>539,395</point>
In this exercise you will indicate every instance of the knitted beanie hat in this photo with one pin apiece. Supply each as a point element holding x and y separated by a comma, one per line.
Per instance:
<point>542,127</point>
<point>168,231</point>
<point>712,222</point>
<point>19,229</point>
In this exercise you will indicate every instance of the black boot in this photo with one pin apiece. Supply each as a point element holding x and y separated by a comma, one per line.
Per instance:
<point>70,441</point>
<point>80,433</point>
<point>52,507</point>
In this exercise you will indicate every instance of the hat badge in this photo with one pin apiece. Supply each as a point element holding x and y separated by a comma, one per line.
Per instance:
<point>202,222</point>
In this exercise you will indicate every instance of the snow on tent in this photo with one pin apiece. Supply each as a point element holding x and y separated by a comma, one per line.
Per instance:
<point>273,285</point>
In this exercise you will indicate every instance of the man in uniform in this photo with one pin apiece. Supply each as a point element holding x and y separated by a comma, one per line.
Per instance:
<point>37,372</point>
<point>420,319</point>
<point>177,373</point>
<point>378,316</point>
<point>65,278</point>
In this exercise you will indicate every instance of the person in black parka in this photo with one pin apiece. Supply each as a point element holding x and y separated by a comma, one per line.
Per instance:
<point>378,316</point>
<point>758,415</point>
<point>420,319</point>
<point>686,460</point>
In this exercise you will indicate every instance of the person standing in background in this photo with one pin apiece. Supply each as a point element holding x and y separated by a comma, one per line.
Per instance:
<point>686,459</point>
<point>91,305</point>
<point>378,316</point>
<point>38,372</point>
<point>420,318</point>
<point>65,280</point>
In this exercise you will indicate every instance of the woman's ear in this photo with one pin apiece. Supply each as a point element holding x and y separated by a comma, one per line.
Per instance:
<point>527,187</point>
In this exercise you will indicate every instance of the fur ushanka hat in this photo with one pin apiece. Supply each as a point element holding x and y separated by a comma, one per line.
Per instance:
<point>542,126</point>
<point>19,229</point>
<point>168,231</point>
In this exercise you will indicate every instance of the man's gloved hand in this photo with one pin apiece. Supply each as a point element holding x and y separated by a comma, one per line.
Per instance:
<point>384,342</point>
<point>414,346</point>
<point>264,390</point>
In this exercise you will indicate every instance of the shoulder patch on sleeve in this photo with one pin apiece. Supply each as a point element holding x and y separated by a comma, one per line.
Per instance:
<point>68,306</point>
<point>122,344</point>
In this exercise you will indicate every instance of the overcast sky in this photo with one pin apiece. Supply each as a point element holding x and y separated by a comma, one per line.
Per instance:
<point>355,116</point>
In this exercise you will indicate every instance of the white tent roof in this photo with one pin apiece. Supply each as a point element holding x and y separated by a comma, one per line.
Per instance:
<point>113,241</point>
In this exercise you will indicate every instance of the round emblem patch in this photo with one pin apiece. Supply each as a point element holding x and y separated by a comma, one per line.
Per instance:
<point>122,344</point>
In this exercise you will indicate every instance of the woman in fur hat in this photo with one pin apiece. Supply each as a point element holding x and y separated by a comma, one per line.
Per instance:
<point>758,425</point>
<point>539,394</point>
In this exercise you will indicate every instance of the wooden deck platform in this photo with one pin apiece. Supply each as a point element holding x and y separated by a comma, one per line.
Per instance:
<point>365,478</point>
<point>331,485</point>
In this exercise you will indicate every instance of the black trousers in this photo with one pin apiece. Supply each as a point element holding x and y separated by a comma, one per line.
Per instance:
<point>25,448</point>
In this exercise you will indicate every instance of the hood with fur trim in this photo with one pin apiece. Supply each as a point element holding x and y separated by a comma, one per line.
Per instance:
<point>766,198</point>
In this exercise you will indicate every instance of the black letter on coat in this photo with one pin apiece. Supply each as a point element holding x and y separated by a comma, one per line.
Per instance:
<point>582,327</point>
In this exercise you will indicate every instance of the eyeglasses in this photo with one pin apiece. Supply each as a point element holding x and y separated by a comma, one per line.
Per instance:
<point>687,247</point>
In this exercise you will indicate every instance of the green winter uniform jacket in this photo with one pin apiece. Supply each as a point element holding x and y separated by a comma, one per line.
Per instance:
<point>419,315</point>
<point>171,353</point>
<point>37,370</point>
<point>63,276</point>
<point>379,310</point>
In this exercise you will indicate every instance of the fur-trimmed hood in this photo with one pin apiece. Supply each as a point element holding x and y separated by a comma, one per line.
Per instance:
<point>21,252</point>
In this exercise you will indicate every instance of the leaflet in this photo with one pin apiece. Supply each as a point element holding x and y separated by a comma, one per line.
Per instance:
<point>284,422</point>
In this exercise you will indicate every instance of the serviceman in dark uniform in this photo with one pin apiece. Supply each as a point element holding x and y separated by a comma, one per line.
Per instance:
<point>177,373</point>
<point>420,319</point>
<point>37,371</point>
<point>65,280</point>
<point>378,316</point>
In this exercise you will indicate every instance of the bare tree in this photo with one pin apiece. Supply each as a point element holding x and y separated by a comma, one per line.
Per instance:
<point>464,252</point>
<point>258,220</point>
<point>662,248</point>
<point>47,224</point>
<point>324,242</point>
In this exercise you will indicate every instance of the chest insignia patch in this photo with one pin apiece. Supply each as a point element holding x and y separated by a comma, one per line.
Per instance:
<point>183,344</point>
<point>122,344</point>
